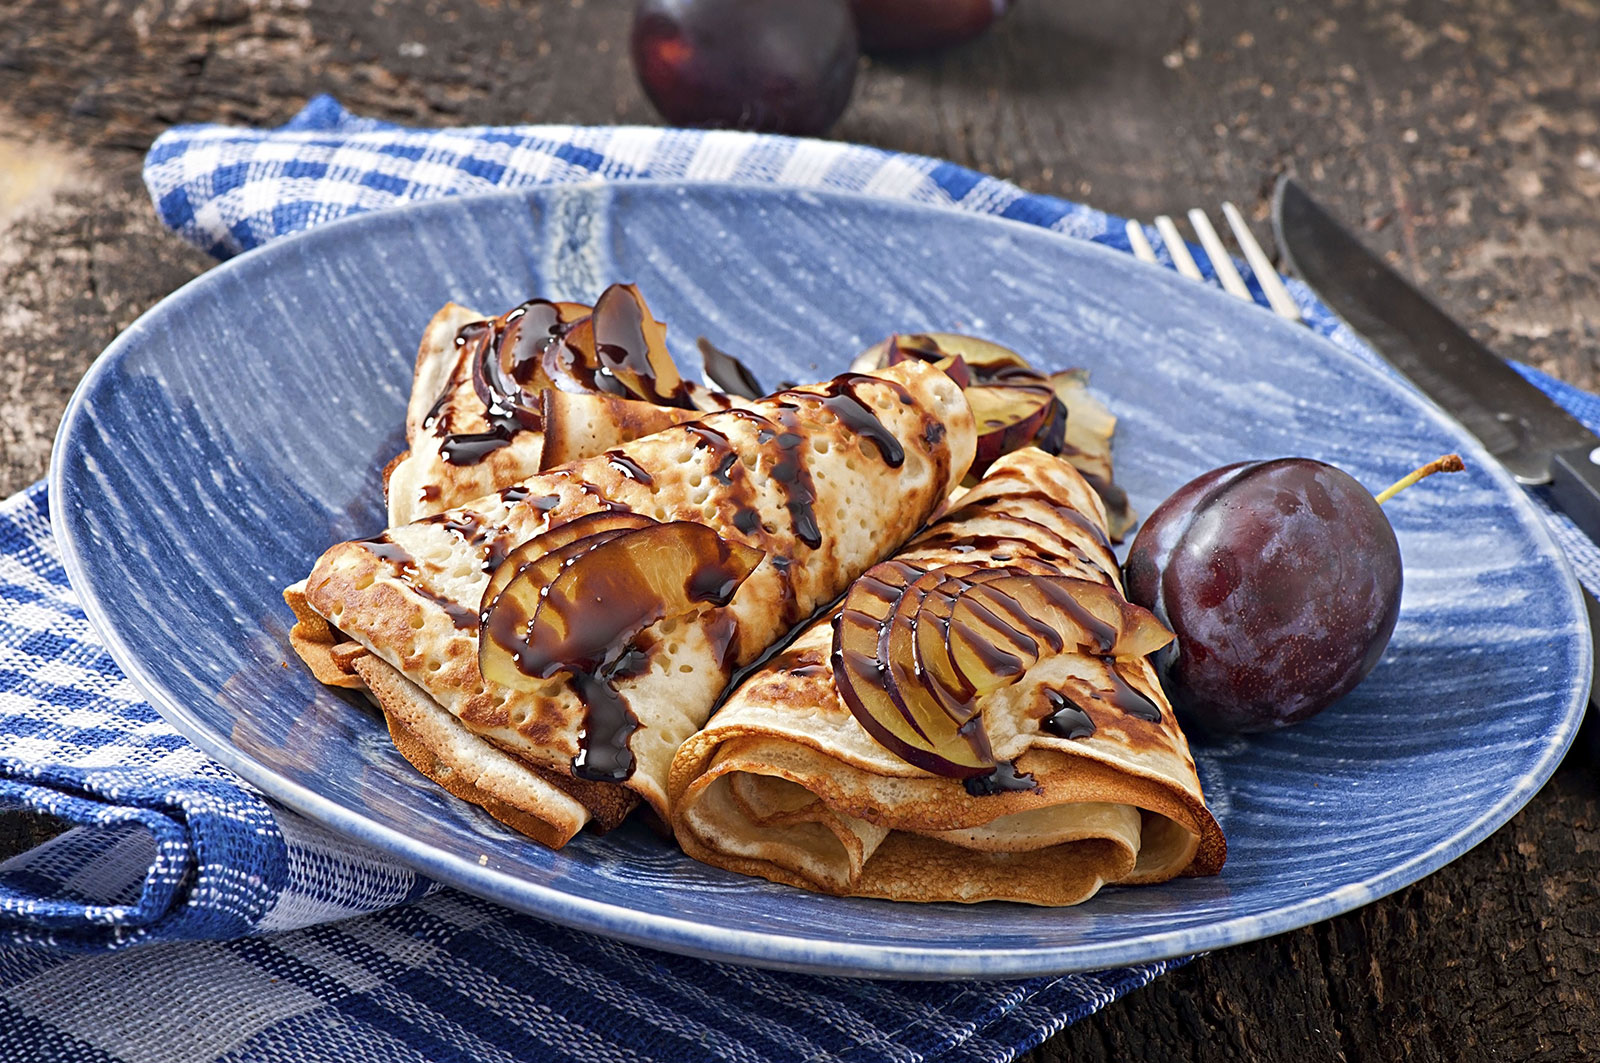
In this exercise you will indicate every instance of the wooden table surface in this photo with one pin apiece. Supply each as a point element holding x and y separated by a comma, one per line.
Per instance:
<point>1464,136</point>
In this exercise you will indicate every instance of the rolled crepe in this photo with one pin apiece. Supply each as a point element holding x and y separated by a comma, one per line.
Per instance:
<point>459,450</point>
<point>823,480</point>
<point>785,784</point>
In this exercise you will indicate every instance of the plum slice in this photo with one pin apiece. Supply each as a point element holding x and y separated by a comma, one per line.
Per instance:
<point>1000,628</point>
<point>1062,532</point>
<point>728,372</point>
<point>930,741</point>
<point>929,625</point>
<point>927,717</point>
<point>979,356</point>
<point>988,630</point>
<point>584,619</point>
<point>916,650</point>
<point>631,345</point>
<point>919,694</point>
<point>619,349</point>
<point>921,346</point>
<point>541,548</point>
<point>572,365</point>
<point>1013,404</point>
<point>1008,418</point>
<point>507,364</point>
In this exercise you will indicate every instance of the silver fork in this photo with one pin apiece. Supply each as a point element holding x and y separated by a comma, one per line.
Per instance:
<point>1221,262</point>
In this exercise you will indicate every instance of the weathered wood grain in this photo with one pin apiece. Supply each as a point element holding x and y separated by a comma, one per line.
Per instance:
<point>1464,136</point>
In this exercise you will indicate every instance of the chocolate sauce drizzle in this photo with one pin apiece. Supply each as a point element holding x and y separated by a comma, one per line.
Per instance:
<point>995,507</point>
<point>405,570</point>
<point>1070,716</point>
<point>1123,697</point>
<point>531,327</point>
<point>611,505</point>
<point>619,339</point>
<point>998,547</point>
<point>794,478</point>
<point>628,467</point>
<point>566,361</point>
<point>1067,719</point>
<point>728,372</point>
<point>1005,778</point>
<point>726,467</point>
<point>789,608</point>
<point>722,635</point>
<point>840,399</point>
<point>537,326</point>
<point>721,448</point>
<point>469,448</point>
<point>600,624</point>
<point>469,527</point>
<point>804,663</point>
<point>1066,513</point>
<point>519,493</point>
<point>604,751</point>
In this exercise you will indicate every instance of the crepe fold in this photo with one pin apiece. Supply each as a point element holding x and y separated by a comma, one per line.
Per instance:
<point>785,784</point>
<point>824,480</point>
<point>458,449</point>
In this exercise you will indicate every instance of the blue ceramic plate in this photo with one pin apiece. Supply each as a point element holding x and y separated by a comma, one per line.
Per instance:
<point>238,429</point>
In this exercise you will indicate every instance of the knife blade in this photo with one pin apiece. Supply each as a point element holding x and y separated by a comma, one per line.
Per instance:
<point>1536,440</point>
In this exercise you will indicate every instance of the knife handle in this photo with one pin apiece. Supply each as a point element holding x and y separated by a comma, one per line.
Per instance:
<point>1575,486</point>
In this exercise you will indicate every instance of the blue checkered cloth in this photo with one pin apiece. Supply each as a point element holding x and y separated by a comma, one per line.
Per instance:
<point>246,908</point>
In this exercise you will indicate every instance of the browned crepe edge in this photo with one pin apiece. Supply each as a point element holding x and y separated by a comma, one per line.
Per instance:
<point>421,757</point>
<point>1083,778</point>
<point>608,803</point>
<point>334,661</point>
<point>1065,874</point>
<point>314,640</point>
<point>606,806</point>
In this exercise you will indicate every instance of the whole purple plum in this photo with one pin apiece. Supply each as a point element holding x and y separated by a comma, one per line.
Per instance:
<point>1281,580</point>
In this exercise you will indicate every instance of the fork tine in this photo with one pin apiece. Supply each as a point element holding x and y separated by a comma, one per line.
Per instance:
<point>1277,295</point>
<point>1177,248</point>
<point>1140,243</point>
<point>1221,261</point>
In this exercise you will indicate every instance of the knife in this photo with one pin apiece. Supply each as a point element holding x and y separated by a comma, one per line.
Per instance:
<point>1536,440</point>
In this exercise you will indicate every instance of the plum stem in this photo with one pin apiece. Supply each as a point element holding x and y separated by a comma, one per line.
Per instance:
<point>1448,463</point>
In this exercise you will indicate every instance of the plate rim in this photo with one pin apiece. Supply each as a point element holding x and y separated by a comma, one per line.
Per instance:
<point>777,949</point>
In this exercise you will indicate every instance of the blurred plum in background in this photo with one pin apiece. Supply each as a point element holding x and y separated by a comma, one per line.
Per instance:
<point>779,66</point>
<point>915,25</point>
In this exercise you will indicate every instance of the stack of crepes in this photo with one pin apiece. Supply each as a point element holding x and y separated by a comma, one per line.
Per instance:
<point>821,481</point>
<point>787,784</point>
